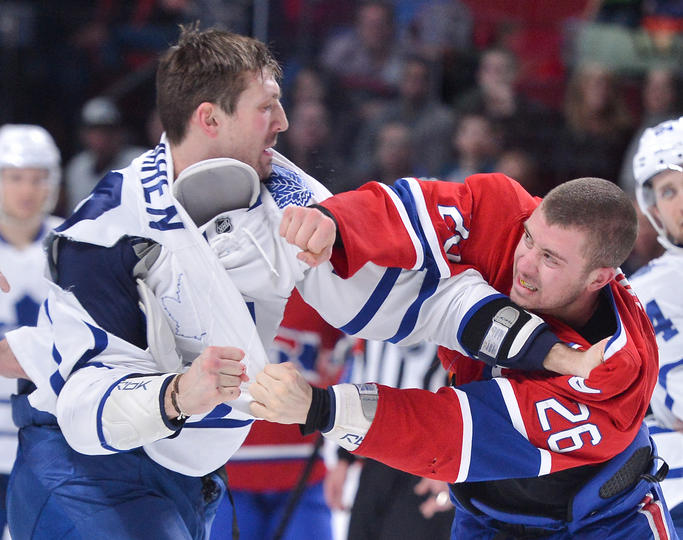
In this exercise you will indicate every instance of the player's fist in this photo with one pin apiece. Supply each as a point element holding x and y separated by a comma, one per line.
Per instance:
<point>310,230</point>
<point>214,377</point>
<point>281,394</point>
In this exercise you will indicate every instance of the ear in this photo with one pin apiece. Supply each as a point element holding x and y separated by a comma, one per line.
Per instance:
<point>206,118</point>
<point>599,277</point>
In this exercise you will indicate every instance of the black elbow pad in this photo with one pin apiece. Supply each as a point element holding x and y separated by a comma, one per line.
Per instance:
<point>500,332</point>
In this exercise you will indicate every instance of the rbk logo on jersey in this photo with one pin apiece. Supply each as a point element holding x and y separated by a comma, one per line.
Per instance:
<point>132,385</point>
<point>353,438</point>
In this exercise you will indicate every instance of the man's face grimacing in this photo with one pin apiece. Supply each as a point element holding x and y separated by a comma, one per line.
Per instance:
<point>250,132</point>
<point>550,273</point>
<point>668,189</point>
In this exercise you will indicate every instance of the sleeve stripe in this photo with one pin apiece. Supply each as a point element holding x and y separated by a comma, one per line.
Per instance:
<point>402,211</point>
<point>376,299</point>
<point>100,408</point>
<point>512,406</point>
<point>429,286</point>
<point>466,445</point>
<point>428,227</point>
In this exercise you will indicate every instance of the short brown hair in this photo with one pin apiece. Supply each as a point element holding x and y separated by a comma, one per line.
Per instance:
<point>602,210</point>
<point>211,66</point>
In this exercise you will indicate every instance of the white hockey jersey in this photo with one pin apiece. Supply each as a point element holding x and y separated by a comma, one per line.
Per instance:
<point>25,271</point>
<point>658,286</point>
<point>75,362</point>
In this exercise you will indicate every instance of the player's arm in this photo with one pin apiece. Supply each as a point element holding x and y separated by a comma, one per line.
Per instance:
<point>413,224</point>
<point>358,225</point>
<point>103,410</point>
<point>110,396</point>
<point>455,434</point>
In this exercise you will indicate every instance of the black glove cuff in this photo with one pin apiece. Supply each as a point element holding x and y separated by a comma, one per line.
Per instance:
<point>318,416</point>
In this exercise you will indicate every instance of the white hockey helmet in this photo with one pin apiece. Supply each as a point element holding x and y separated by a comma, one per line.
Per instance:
<point>660,148</point>
<point>25,145</point>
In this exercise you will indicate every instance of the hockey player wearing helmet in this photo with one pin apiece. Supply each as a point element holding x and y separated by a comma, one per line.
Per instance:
<point>658,171</point>
<point>29,180</point>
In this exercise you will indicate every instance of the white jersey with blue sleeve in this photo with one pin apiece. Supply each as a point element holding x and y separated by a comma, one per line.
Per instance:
<point>658,286</point>
<point>86,363</point>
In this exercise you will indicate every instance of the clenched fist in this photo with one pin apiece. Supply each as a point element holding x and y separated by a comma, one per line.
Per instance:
<point>281,394</point>
<point>310,230</point>
<point>214,378</point>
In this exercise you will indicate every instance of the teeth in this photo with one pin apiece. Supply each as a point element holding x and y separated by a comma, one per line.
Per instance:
<point>527,285</point>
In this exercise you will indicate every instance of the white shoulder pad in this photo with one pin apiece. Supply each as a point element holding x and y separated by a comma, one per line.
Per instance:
<point>354,410</point>
<point>214,186</point>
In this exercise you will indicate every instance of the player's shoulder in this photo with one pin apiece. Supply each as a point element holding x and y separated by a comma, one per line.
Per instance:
<point>662,275</point>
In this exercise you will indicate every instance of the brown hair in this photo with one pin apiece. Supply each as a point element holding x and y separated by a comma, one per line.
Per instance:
<point>602,210</point>
<point>209,66</point>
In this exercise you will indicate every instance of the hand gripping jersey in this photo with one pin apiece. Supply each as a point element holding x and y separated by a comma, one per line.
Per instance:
<point>274,455</point>
<point>658,286</point>
<point>540,422</point>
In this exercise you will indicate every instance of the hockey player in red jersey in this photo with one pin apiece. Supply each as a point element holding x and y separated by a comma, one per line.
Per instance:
<point>528,453</point>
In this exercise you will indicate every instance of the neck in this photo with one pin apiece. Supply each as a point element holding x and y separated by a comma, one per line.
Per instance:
<point>20,233</point>
<point>187,153</point>
<point>578,315</point>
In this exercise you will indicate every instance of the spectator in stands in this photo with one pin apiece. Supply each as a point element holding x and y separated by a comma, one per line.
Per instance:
<point>475,148</point>
<point>309,143</point>
<point>417,105</point>
<point>105,148</point>
<point>597,126</point>
<point>519,164</point>
<point>519,121</point>
<point>393,155</point>
<point>366,58</point>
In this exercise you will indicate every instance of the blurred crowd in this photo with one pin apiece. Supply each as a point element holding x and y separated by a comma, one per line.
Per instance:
<point>374,90</point>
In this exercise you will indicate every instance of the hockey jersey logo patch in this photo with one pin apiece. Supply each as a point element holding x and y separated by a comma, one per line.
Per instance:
<point>287,189</point>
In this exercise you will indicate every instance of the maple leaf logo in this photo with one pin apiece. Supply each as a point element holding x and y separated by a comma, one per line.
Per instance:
<point>173,305</point>
<point>287,188</point>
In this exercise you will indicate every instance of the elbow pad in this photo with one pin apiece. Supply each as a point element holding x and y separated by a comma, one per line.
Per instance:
<point>133,413</point>
<point>499,332</point>
<point>352,411</point>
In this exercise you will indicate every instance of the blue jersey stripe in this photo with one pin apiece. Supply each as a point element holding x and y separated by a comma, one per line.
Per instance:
<point>376,299</point>
<point>429,285</point>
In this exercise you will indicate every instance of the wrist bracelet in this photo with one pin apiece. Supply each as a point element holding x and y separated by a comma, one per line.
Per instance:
<point>174,398</point>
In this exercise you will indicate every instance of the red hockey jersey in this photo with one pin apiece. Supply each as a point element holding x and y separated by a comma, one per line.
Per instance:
<point>515,424</point>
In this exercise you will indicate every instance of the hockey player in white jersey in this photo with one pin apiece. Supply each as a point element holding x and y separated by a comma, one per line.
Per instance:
<point>29,184</point>
<point>658,171</point>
